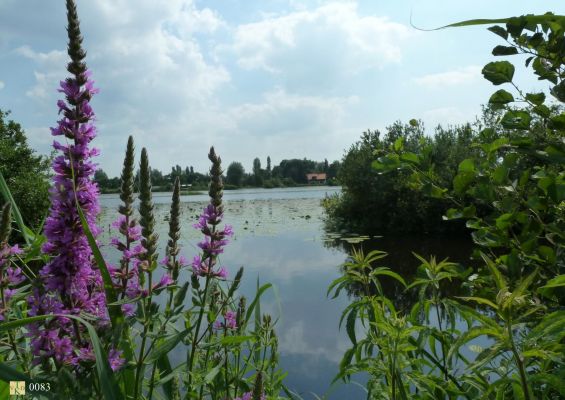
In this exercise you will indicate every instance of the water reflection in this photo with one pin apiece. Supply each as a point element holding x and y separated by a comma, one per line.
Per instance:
<point>400,259</point>
<point>279,238</point>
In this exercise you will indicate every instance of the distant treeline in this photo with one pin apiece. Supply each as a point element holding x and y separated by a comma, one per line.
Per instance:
<point>288,173</point>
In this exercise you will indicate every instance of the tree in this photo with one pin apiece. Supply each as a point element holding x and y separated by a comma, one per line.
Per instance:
<point>377,203</point>
<point>296,169</point>
<point>333,169</point>
<point>26,173</point>
<point>257,172</point>
<point>101,178</point>
<point>235,174</point>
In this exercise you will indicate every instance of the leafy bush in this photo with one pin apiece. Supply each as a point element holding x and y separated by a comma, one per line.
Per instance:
<point>377,203</point>
<point>516,296</point>
<point>26,173</point>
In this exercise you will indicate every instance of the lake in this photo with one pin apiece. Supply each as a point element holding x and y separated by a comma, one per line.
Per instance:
<point>280,238</point>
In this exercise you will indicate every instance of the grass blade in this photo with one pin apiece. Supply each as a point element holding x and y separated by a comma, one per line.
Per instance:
<point>15,210</point>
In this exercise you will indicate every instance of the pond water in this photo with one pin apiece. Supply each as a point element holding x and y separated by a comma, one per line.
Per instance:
<point>280,238</point>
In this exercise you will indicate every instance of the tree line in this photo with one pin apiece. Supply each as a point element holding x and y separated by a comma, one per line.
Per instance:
<point>288,173</point>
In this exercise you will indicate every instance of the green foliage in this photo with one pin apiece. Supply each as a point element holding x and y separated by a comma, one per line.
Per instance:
<point>376,202</point>
<point>235,174</point>
<point>510,190</point>
<point>25,172</point>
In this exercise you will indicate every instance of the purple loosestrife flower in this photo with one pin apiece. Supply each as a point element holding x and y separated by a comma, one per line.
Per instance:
<point>214,239</point>
<point>10,276</point>
<point>126,278</point>
<point>71,282</point>
<point>229,321</point>
<point>116,359</point>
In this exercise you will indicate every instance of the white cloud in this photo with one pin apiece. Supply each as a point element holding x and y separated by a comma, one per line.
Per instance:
<point>164,76</point>
<point>332,35</point>
<point>460,76</point>
<point>2,85</point>
<point>54,58</point>
<point>288,125</point>
<point>51,69</point>
<point>290,114</point>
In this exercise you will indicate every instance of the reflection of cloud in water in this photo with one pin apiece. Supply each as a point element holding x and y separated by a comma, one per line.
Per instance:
<point>283,246</point>
<point>293,341</point>
<point>286,257</point>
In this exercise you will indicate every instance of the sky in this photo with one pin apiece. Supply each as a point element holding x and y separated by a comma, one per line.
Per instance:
<point>279,78</point>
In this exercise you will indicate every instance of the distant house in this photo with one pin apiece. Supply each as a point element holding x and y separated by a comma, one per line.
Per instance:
<point>316,178</point>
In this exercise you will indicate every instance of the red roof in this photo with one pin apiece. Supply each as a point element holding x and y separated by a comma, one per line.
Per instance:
<point>318,177</point>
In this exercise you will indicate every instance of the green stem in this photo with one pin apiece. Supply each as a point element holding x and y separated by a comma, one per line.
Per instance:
<point>161,331</point>
<point>439,321</point>
<point>519,361</point>
<point>146,325</point>
<point>10,335</point>
<point>226,364</point>
<point>206,358</point>
<point>195,336</point>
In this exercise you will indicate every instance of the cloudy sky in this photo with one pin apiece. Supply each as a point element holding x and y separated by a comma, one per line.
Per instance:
<point>284,78</point>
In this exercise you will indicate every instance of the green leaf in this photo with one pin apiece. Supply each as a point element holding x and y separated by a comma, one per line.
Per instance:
<point>467,165</point>
<point>542,111</point>
<point>386,163</point>
<point>499,30</point>
<point>516,120</point>
<point>536,98</point>
<point>462,181</point>
<point>547,254</point>
<point>504,51</point>
<point>500,98</point>
<point>165,346</point>
<point>165,369</point>
<point>556,382</point>
<point>212,374</point>
<point>453,213</point>
<point>399,144</point>
<point>499,72</point>
<point>498,278</point>
<point>498,143</point>
<point>410,157</point>
<point>504,221</point>
<point>429,189</point>
<point>8,198</point>
<point>541,70</point>
<point>558,281</point>
<point>557,122</point>
<point>180,295</point>
<point>350,325</point>
<point>480,300</point>
<point>500,174</point>
<point>522,287</point>
<point>255,303</point>
<point>257,323</point>
<point>558,91</point>
<point>473,333</point>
